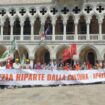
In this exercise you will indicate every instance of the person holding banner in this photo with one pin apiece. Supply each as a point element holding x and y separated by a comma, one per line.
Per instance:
<point>89,66</point>
<point>66,67</point>
<point>38,66</point>
<point>98,65</point>
<point>84,66</point>
<point>16,64</point>
<point>103,64</point>
<point>8,64</point>
<point>77,66</point>
<point>27,65</point>
<point>2,65</point>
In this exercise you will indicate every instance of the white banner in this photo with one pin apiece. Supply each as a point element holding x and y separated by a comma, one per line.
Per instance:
<point>50,77</point>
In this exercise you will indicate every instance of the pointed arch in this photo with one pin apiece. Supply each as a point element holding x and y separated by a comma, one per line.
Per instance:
<point>48,25</point>
<point>6,28</point>
<point>94,27</point>
<point>82,27</point>
<point>70,25</point>
<point>27,26</point>
<point>23,51</point>
<point>37,25</point>
<point>17,27</point>
<point>59,25</point>
<point>42,55</point>
<point>85,49</point>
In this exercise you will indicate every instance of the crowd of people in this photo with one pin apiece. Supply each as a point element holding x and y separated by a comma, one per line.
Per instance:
<point>66,66</point>
<point>52,65</point>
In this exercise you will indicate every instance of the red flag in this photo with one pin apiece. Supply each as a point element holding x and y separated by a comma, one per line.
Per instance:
<point>69,52</point>
<point>73,49</point>
<point>66,54</point>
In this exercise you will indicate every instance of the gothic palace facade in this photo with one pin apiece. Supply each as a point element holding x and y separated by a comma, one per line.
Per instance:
<point>83,24</point>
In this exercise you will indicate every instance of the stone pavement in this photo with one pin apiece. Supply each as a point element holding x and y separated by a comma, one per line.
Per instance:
<point>64,95</point>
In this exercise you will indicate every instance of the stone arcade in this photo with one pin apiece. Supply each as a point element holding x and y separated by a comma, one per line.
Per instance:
<point>81,22</point>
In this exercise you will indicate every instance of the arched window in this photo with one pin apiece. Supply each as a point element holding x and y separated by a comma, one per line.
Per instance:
<point>82,26</point>
<point>27,27</point>
<point>37,25</point>
<point>59,26</point>
<point>16,27</point>
<point>6,30</point>
<point>48,26</point>
<point>70,26</point>
<point>94,27</point>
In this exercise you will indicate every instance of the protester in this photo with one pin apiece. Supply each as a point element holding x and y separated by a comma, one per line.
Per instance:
<point>51,65</point>
<point>77,66</point>
<point>2,66</point>
<point>44,66</point>
<point>98,65</point>
<point>55,66</point>
<point>84,66</point>
<point>66,67</point>
<point>103,64</point>
<point>70,67</point>
<point>89,65</point>
<point>38,66</point>
<point>27,65</point>
<point>8,64</point>
<point>16,64</point>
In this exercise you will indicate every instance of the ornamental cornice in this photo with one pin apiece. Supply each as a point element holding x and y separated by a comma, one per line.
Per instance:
<point>10,2</point>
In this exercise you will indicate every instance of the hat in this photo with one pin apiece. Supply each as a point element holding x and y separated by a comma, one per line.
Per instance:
<point>16,59</point>
<point>27,60</point>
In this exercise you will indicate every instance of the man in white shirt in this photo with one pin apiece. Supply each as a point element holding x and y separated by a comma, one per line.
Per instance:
<point>16,64</point>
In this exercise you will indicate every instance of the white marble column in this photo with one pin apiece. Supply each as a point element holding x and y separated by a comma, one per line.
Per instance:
<point>53,32</point>
<point>88,31</point>
<point>64,32</point>
<point>100,31</point>
<point>53,29</point>
<point>76,31</point>
<point>11,34</point>
<point>32,30</point>
<point>11,31</point>
<point>2,25</point>
<point>11,28</point>
<point>22,25</point>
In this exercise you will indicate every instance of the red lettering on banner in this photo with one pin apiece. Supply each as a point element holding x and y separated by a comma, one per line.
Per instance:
<point>98,75</point>
<point>78,77</point>
<point>82,76</point>
<point>6,77</point>
<point>55,77</point>
<point>29,77</point>
<point>71,77</point>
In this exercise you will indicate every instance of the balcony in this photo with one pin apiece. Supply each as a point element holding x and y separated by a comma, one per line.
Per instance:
<point>82,37</point>
<point>58,37</point>
<point>94,37</point>
<point>69,37</point>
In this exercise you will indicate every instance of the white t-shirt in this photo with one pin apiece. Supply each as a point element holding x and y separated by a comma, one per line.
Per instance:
<point>16,65</point>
